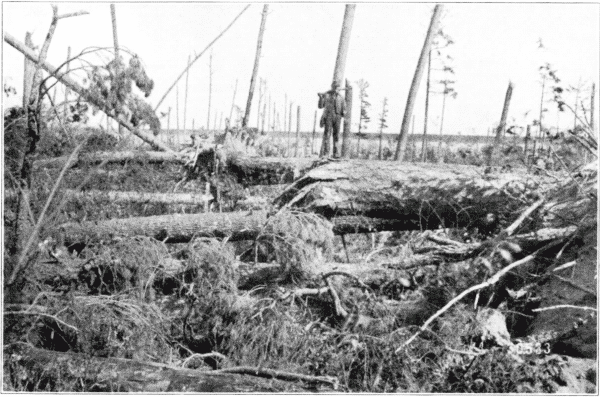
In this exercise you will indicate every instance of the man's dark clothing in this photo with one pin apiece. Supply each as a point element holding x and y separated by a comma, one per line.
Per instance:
<point>334,107</point>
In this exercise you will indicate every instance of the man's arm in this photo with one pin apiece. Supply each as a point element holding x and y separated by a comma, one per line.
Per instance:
<point>321,100</point>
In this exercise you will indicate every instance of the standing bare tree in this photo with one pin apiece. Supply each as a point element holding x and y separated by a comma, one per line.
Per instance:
<point>297,132</point>
<point>448,90</point>
<point>441,41</point>
<point>113,15</point>
<point>347,121</point>
<point>363,118</point>
<point>255,69</point>
<point>412,94</point>
<point>210,73</point>
<point>502,124</point>
<point>233,102</point>
<point>382,126</point>
<point>340,60</point>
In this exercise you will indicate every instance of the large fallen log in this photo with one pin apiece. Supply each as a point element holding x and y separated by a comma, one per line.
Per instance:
<point>111,157</point>
<point>25,363</point>
<point>417,196</point>
<point>269,170</point>
<point>127,197</point>
<point>181,228</point>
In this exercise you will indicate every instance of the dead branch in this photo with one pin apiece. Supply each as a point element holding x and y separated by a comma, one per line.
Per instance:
<point>198,57</point>
<point>271,373</point>
<point>75,86</point>
<point>492,280</point>
<point>339,309</point>
<point>541,309</point>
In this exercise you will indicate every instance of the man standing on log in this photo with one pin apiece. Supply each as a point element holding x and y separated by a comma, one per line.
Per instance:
<point>334,107</point>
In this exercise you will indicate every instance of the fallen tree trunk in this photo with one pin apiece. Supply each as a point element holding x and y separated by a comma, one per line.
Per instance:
<point>415,196</point>
<point>64,78</point>
<point>181,228</point>
<point>128,197</point>
<point>111,157</point>
<point>176,228</point>
<point>269,170</point>
<point>28,364</point>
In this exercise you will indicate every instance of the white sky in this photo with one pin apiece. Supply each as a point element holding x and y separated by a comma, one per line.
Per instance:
<point>494,43</point>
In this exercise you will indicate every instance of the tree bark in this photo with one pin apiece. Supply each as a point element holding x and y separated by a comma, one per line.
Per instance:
<point>177,228</point>
<point>269,170</point>
<point>126,376</point>
<point>416,196</point>
<point>73,85</point>
<point>414,88</point>
<point>256,62</point>
<point>111,157</point>
<point>128,197</point>
<point>342,54</point>
<point>502,125</point>
<point>347,122</point>
<point>358,197</point>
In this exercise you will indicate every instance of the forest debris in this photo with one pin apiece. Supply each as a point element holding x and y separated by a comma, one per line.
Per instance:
<point>125,375</point>
<point>287,376</point>
<point>492,324</point>
<point>492,280</point>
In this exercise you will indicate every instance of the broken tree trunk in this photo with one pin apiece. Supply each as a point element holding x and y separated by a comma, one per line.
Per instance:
<point>181,228</point>
<point>128,197</point>
<point>124,375</point>
<point>112,157</point>
<point>414,196</point>
<point>414,87</point>
<point>269,170</point>
<point>261,32</point>
<point>75,86</point>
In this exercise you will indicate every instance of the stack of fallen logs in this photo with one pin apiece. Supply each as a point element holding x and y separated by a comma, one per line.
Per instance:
<point>356,196</point>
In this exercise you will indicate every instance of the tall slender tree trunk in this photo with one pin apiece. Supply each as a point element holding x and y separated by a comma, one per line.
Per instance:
<point>28,72</point>
<point>68,67</point>
<point>185,101</point>
<point>233,103</point>
<point>297,131</point>
<point>346,137</point>
<point>113,15</point>
<point>424,146</point>
<point>440,156</point>
<point>169,121</point>
<point>502,125</point>
<point>210,73</point>
<point>289,136</point>
<point>414,88</point>
<point>340,61</point>
<point>260,97</point>
<point>256,61</point>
